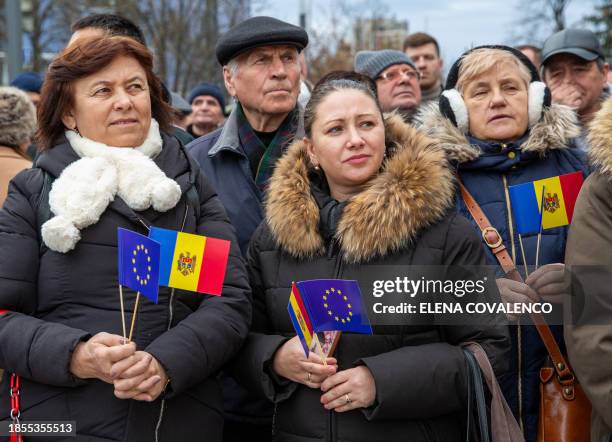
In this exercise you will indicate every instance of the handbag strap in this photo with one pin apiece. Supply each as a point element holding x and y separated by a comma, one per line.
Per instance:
<point>494,241</point>
<point>481,403</point>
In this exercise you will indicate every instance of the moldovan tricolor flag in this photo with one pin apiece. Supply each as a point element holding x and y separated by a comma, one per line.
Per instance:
<point>560,194</point>
<point>300,318</point>
<point>191,262</point>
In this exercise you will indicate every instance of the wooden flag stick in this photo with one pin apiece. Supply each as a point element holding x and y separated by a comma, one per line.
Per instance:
<point>122,311</point>
<point>134,315</point>
<point>523,253</point>
<point>538,249</point>
<point>334,344</point>
<point>541,224</point>
<point>320,349</point>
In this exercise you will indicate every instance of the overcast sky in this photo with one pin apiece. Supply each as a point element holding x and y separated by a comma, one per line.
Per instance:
<point>457,24</point>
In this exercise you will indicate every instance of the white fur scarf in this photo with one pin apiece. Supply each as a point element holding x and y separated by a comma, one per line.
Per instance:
<point>86,187</point>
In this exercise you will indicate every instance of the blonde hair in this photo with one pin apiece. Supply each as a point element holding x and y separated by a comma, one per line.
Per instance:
<point>483,60</point>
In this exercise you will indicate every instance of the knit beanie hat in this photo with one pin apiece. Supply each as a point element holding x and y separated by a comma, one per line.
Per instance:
<point>207,89</point>
<point>28,81</point>
<point>372,63</point>
<point>17,117</point>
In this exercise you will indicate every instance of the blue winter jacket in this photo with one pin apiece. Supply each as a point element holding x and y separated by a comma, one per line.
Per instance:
<point>487,169</point>
<point>226,166</point>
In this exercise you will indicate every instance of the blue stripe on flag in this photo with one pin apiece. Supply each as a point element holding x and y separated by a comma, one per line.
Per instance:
<point>167,239</point>
<point>525,208</point>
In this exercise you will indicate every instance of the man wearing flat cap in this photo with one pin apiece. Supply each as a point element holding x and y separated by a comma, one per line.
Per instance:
<point>575,71</point>
<point>262,73</point>
<point>396,78</point>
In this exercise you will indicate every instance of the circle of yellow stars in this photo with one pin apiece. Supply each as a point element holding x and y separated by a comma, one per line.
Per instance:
<point>144,280</point>
<point>332,291</point>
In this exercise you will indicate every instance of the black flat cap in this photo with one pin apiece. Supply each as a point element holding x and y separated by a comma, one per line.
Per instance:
<point>258,31</point>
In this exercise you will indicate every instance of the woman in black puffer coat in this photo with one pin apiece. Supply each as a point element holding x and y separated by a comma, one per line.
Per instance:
<point>341,202</point>
<point>60,327</point>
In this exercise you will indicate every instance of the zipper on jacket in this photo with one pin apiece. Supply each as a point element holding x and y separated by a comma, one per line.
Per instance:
<point>519,343</point>
<point>331,436</point>
<point>168,326</point>
<point>274,423</point>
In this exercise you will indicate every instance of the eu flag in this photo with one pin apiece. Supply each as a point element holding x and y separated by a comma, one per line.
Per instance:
<point>335,305</point>
<point>138,263</point>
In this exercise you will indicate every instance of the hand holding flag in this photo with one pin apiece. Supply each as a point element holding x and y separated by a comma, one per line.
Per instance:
<point>325,305</point>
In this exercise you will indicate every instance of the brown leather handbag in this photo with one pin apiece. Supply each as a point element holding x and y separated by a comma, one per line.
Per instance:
<point>565,411</point>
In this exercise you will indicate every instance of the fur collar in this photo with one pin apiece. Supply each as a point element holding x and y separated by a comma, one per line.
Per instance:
<point>555,129</point>
<point>414,190</point>
<point>85,188</point>
<point>600,139</point>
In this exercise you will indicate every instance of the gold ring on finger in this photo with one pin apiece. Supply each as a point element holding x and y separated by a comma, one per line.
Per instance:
<point>348,398</point>
<point>309,377</point>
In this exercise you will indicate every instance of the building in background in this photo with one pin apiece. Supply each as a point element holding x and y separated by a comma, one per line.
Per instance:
<point>373,34</point>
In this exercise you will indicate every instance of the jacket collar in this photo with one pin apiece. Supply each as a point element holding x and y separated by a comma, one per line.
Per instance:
<point>230,141</point>
<point>557,127</point>
<point>9,152</point>
<point>600,139</point>
<point>414,190</point>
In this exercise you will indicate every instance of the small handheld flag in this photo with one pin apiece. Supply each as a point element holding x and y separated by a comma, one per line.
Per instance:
<point>191,262</point>
<point>138,263</point>
<point>335,305</point>
<point>558,204</point>
<point>300,318</point>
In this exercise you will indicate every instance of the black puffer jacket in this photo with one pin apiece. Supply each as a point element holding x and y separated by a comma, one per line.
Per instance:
<point>401,219</point>
<point>57,300</point>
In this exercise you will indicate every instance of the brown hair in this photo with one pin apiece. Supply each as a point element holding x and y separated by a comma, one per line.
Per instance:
<point>332,82</point>
<point>420,39</point>
<point>79,60</point>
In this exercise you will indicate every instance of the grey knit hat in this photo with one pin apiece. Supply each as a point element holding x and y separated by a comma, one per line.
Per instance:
<point>372,63</point>
<point>17,117</point>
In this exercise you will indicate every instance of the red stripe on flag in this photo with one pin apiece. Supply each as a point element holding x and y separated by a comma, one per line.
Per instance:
<point>214,265</point>
<point>4,311</point>
<point>298,297</point>
<point>570,185</point>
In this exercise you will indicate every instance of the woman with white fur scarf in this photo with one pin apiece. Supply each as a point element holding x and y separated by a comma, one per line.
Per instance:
<point>111,164</point>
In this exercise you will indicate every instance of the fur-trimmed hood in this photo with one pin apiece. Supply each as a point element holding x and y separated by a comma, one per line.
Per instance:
<point>600,139</point>
<point>413,191</point>
<point>555,129</point>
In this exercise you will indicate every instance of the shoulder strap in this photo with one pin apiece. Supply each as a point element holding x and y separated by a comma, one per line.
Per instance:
<point>494,241</point>
<point>475,380</point>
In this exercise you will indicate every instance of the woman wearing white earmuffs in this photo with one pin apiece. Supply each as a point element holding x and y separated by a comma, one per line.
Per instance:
<point>497,125</point>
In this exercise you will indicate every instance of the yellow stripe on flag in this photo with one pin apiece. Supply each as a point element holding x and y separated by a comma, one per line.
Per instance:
<point>187,261</point>
<point>555,213</point>
<point>301,320</point>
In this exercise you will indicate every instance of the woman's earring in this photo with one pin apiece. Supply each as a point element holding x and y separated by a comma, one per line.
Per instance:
<point>76,129</point>
<point>315,165</point>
